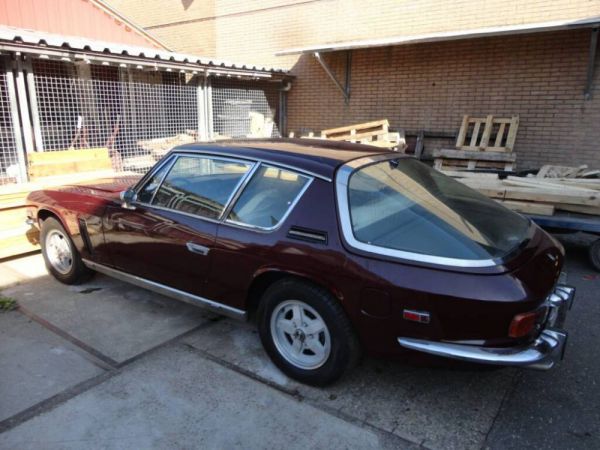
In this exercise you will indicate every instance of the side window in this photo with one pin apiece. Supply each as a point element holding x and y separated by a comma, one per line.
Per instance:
<point>268,197</point>
<point>200,185</point>
<point>147,192</point>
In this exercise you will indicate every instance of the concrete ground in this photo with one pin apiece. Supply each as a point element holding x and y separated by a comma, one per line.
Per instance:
<point>109,365</point>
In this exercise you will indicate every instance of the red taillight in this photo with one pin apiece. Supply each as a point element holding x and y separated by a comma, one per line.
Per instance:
<point>523,324</point>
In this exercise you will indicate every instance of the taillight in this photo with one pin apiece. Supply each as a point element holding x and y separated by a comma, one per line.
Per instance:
<point>525,323</point>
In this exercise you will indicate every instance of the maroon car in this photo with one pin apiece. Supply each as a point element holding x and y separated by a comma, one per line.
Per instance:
<point>335,249</point>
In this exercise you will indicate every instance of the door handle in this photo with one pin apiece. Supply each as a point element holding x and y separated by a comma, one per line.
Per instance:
<point>197,248</point>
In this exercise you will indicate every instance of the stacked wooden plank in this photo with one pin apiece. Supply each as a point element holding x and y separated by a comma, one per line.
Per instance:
<point>159,147</point>
<point>536,195</point>
<point>374,133</point>
<point>45,164</point>
<point>481,143</point>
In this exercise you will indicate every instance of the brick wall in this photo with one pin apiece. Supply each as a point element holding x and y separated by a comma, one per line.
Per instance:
<point>252,31</point>
<point>540,77</point>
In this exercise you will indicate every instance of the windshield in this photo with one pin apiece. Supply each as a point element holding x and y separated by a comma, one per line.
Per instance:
<point>402,204</point>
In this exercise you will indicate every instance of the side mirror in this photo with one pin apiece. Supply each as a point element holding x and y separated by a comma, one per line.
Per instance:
<point>128,197</point>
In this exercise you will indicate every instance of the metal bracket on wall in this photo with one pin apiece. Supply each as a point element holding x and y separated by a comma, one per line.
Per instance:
<point>345,88</point>
<point>591,63</point>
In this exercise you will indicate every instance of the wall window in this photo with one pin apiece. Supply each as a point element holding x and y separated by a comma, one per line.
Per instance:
<point>200,185</point>
<point>268,197</point>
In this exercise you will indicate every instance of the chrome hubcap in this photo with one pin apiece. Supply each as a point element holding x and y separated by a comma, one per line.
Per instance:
<point>300,334</point>
<point>58,251</point>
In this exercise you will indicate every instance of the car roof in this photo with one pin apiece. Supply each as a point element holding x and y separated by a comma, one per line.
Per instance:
<point>316,156</point>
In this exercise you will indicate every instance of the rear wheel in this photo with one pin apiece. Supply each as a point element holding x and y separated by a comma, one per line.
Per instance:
<point>62,259</point>
<point>306,332</point>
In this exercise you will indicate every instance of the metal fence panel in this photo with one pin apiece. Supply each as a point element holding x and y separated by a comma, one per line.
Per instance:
<point>137,115</point>
<point>10,160</point>
<point>244,109</point>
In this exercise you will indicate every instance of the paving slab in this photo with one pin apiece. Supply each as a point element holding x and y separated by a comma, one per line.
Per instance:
<point>36,364</point>
<point>186,401</point>
<point>433,405</point>
<point>20,270</point>
<point>116,319</point>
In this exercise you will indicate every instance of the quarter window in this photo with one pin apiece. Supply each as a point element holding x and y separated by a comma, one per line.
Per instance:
<point>200,185</point>
<point>147,192</point>
<point>268,197</point>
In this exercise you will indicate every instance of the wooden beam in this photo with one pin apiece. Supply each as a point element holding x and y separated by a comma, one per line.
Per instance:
<point>541,209</point>
<point>479,156</point>
<point>487,132</point>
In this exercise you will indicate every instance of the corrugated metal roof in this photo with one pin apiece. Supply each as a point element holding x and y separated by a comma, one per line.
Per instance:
<point>12,38</point>
<point>87,18</point>
<point>446,36</point>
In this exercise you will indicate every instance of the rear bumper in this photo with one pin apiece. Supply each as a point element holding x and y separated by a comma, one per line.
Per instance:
<point>541,354</point>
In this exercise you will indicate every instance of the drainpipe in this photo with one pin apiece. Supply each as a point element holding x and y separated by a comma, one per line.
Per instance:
<point>283,107</point>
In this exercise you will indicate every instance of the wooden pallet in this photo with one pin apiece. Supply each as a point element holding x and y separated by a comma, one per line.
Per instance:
<point>370,133</point>
<point>481,131</point>
<point>481,143</point>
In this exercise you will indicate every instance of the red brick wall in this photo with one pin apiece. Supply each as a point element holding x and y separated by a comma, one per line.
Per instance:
<point>540,77</point>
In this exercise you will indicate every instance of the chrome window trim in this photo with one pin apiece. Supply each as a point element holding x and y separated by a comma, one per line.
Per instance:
<point>262,160</point>
<point>233,198</point>
<point>238,224</point>
<point>169,291</point>
<point>238,191</point>
<point>252,167</point>
<point>341,186</point>
<point>160,183</point>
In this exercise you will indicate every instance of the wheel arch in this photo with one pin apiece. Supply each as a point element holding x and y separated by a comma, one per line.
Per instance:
<point>265,278</point>
<point>44,213</point>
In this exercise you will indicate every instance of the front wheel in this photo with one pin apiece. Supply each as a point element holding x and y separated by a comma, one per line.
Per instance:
<point>62,259</point>
<point>306,332</point>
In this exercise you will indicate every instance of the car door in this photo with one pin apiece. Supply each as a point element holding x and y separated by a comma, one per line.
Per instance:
<point>166,235</point>
<point>251,236</point>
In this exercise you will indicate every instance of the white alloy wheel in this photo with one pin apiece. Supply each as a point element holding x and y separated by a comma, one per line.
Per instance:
<point>58,251</point>
<point>300,334</point>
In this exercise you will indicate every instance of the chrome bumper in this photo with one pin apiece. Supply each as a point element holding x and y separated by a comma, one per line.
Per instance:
<point>541,354</point>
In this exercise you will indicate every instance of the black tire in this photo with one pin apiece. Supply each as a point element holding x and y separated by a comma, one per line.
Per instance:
<point>78,272</point>
<point>594,254</point>
<point>344,346</point>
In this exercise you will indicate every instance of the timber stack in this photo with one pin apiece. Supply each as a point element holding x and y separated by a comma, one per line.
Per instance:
<point>554,188</point>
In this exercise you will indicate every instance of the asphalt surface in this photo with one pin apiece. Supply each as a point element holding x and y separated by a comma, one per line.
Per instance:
<point>108,365</point>
<point>560,408</point>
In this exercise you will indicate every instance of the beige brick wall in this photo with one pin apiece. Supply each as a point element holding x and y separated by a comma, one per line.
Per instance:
<point>252,31</point>
<point>540,77</point>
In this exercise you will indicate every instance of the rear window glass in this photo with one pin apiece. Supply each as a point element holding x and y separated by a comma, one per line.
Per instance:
<point>200,186</point>
<point>405,205</point>
<point>268,197</point>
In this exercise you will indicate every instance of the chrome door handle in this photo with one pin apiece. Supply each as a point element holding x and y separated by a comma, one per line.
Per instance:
<point>197,248</point>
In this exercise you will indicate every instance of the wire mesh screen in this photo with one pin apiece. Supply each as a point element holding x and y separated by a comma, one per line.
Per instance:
<point>9,159</point>
<point>244,109</point>
<point>138,115</point>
